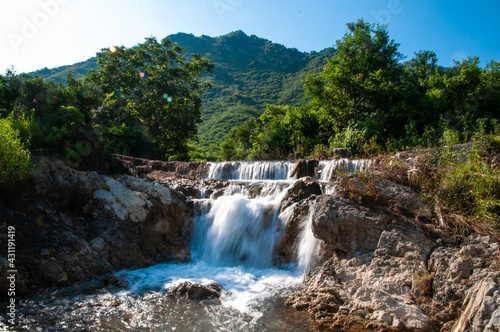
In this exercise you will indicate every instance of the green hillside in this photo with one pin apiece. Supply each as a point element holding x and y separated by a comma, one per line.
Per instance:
<point>250,72</point>
<point>78,70</point>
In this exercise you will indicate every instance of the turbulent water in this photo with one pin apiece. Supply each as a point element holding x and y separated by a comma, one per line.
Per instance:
<point>232,244</point>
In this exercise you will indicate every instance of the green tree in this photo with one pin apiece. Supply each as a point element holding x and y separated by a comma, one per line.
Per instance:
<point>156,83</point>
<point>14,158</point>
<point>361,83</point>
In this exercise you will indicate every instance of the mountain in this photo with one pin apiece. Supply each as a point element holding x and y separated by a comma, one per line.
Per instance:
<point>250,72</point>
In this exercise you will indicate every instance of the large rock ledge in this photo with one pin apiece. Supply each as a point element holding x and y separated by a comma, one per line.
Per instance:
<point>76,225</point>
<point>388,271</point>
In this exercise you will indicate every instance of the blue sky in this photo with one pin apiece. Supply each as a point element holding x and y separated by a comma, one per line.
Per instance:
<point>50,33</point>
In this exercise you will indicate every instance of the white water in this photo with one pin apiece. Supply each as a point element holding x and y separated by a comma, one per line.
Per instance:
<point>328,167</point>
<point>309,245</point>
<point>258,170</point>
<point>232,244</point>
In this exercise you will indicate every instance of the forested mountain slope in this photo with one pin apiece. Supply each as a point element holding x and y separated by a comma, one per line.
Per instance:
<point>250,72</point>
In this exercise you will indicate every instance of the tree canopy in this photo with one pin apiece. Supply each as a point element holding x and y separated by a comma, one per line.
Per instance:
<point>154,85</point>
<point>366,99</point>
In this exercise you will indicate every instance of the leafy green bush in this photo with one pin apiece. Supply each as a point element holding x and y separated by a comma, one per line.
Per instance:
<point>14,159</point>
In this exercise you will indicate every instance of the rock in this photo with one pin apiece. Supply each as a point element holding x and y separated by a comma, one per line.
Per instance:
<point>302,189</point>
<point>341,153</point>
<point>346,226</point>
<point>134,183</point>
<point>401,198</point>
<point>130,222</point>
<point>286,249</point>
<point>115,281</point>
<point>373,294</point>
<point>304,168</point>
<point>123,202</point>
<point>97,244</point>
<point>396,198</point>
<point>196,291</point>
<point>480,306</point>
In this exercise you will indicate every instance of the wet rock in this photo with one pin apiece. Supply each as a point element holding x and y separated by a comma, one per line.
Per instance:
<point>286,249</point>
<point>196,291</point>
<point>98,244</point>
<point>115,281</point>
<point>304,168</point>
<point>302,189</point>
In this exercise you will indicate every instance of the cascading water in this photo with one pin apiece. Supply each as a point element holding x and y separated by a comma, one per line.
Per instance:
<point>259,170</point>
<point>328,167</point>
<point>233,244</point>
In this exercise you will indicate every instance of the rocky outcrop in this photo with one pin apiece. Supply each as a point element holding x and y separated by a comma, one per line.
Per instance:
<point>383,269</point>
<point>141,167</point>
<point>295,207</point>
<point>345,226</point>
<point>81,224</point>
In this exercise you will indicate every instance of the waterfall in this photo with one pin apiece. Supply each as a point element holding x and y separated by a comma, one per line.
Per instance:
<point>329,167</point>
<point>234,242</point>
<point>251,170</point>
<point>238,230</point>
<point>308,245</point>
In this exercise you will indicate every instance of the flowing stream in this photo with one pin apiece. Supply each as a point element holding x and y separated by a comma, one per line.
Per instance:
<point>232,245</point>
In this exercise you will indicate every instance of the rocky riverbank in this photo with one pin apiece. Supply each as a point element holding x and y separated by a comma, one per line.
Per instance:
<point>384,263</point>
<point>76,225</point>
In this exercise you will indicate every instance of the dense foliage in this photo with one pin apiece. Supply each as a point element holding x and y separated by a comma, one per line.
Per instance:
<point>463,186</point>
<point>250,73</point>
<point>142,101</point>
<point>14,158</point>
<point>366,99</point>
<point>151,89</point>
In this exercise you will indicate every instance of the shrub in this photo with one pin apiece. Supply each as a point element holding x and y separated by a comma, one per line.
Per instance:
<point>464,193</point>
<point>14,158</point>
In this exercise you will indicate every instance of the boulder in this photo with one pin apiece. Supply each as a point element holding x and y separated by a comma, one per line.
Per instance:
<point>304,168</point>
<point>115,281</point>
<point>347,226</point>
<point>196,291</point>
<point>302,189</point>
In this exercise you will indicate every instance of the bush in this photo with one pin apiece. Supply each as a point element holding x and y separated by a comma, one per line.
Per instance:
<point>464,193</point>
<point>14,158</point>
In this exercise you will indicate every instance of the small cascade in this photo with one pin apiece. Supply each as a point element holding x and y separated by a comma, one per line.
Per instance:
<point>328,167</point>
<point>308,245</point>
<point>238,230</point>
<point>251,170</point>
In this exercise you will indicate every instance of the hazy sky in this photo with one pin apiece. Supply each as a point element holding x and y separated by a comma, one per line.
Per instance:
<point>50,33</point>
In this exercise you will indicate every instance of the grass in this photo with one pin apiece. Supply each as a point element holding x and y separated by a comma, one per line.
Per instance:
<point>464,190</point>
